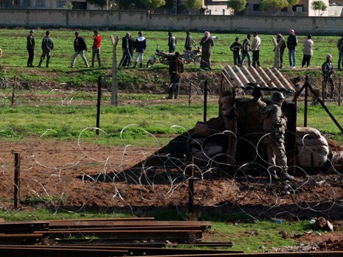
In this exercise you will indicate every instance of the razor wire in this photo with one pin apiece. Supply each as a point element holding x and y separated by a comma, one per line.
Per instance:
<point>84,178</point>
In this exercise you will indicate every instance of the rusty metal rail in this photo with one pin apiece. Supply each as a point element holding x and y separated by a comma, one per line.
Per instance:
<point>23,226</point>
<point>123,230</point>
<point>127,223</point>
<point>173,235</point>
<point>116,237</point>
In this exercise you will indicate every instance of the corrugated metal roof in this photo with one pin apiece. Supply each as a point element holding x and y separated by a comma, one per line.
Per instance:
<point>263,77</point>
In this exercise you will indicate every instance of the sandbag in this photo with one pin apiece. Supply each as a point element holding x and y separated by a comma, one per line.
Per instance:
<point>310,132</point>
<point>310,141</point>
<point>312,148</point>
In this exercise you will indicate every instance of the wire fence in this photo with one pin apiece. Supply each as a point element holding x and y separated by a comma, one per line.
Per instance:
<point>78,175</point>
<point>81,174</point>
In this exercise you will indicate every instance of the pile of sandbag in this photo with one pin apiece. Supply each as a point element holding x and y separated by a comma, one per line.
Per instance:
<point>312,148</point>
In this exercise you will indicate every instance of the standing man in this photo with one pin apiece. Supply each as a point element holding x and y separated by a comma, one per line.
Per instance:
<point>175,70</point>
<point>255,48</point>
<point>282,43</point>
<point>171,42</point>
<point>125,45</point>
<point>236,49</point>
<point>206,44</point>
<point>47,47</point>
<point>292,42</point>
<point>30,45</point>
<point>308,51</point>
<point>96,48</point>
<point>80,47</point>
<point>340,52</point>
<point>327,69</point>
<point>189,41</point>
<point>140,46</point>
<point>274,126</point>
<point>246,50</point>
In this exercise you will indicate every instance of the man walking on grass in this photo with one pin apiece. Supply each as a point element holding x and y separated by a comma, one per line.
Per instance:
<point>47,47</point>
<point>80,47</point>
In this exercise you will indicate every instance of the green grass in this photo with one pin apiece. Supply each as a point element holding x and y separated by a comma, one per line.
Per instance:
<point>15,55</point>
<point>258,236</point>
<point>130,123</point>
<point>318,118</point>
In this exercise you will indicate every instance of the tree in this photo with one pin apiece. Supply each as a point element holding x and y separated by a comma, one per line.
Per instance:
<point>293,2</point>
<point>273,5</point>
<point>237,5</point>
<point>153,4</point>
<point>319,6</point>
<point>193,5</point>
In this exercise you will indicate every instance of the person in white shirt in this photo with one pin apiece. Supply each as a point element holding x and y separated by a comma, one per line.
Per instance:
<point>308,51</point>
<point>255,48</point>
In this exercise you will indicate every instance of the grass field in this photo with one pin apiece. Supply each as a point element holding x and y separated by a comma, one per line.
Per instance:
<point>43,115</point>
<point>15,55</point>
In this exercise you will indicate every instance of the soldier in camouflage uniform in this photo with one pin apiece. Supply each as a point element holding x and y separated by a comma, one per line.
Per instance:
<point>274,125</point>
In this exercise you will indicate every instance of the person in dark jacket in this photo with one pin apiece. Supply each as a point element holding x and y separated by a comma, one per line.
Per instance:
<point>280,40</point>
<point>236,49</point>
<point>246,50</point>
<point>175,69</point>
<point>292,43</point>
<point>206,50</point>
<point>30,45</point>
<point>189,41</point>
<point>80,47</point>
<point>171,42</point>
<point>327,69</point>
<point>47,47</point>
<point>127,62</point>
<point>125,45</point>
<point>140,46</point>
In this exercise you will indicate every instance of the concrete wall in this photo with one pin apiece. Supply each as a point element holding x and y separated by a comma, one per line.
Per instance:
<point>144,21</point>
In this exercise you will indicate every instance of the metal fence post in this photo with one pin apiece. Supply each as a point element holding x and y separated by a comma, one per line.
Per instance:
<point>16,180</point>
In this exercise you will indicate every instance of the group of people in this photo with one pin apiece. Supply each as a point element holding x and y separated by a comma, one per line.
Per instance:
<point>138,45</point>
<point>129,45</point>
<point>242,52</point>
<point>47,46</point>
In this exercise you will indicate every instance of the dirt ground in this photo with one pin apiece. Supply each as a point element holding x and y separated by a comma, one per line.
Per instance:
<point>78,175</point>
<point>75,176</point>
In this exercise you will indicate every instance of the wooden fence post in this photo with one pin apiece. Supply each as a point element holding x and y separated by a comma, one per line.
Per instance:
<point>114,96</point>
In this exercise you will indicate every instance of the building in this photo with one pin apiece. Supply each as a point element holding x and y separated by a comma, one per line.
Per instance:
<point>304,8</point>
<point>216,7</point>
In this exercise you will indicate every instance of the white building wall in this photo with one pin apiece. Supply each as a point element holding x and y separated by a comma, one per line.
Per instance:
<point>311,12</point>
<point>217,10</point>
<point>335,11</point>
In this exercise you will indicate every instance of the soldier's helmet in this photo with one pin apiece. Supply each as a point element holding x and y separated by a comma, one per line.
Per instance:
<point>277,96</point>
